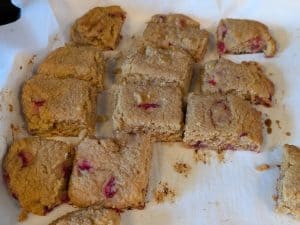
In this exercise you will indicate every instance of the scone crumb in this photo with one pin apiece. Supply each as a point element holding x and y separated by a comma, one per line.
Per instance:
<point>23,215</point>
<point>202,156</point>
<point>263,167</point>
<point>163,192</point>
<point>102,118</point>
<point>31,60</point>
<point>21,67</point>
<point>182,168</point>
<point>278,124</point>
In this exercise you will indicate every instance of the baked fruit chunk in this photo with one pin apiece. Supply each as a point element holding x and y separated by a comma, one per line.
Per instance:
<point>112,171</point>
<point>62,107</point>
<point>149,109</point>
<point>221,122</point>
<point>177,30</point>
<point>99,27</point>
<point>239,36</point>
<point>246,79</point>
<point>82,62</point>
<point>94,215</point>
<point>37,171</point>
<point>288,186</point>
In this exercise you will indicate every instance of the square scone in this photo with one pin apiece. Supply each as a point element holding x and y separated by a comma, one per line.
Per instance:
<point>239,36</point>
<point>80,62</point>
<point>62,107</point>
<point>154,110</point>
<point>288,186</point>
<point>112,171</point>
<point>158,66</point>
<point>99,27</point>
<point>165,30</point>
<point>220,122</point>
<point>37,171</point>
<point>245,79</point>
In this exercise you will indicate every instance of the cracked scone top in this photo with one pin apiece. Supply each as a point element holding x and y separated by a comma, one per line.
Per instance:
<point>36,171</point>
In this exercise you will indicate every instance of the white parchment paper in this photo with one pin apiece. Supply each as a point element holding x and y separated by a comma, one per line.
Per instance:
<point>216,193</point>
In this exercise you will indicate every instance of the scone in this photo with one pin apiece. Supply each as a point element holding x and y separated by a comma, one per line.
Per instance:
<point>112,171</point>
<point>99,27</point>
<point>219,122</point>
<point>94,215</point>
<point>82,62</point>
<point>149,109</point>
<point>62,107</point>
<point>246,79</point>
<point>288,186</point>
<point>238,36</point>
<point>177,30</point>
<point>158,66</point>
<point>37,172</point>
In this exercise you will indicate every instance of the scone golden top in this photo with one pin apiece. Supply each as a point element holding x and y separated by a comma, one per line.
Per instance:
<point>99,27</point>
<point>80,62</point>
<point>36,172</point>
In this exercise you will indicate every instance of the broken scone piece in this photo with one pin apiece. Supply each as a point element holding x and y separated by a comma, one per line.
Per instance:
<point>112,171</point>
<point>165,30</point>
<point>221,122</point>
<point>80,62</point>
<point>239,36</point>
<point>37,171</point>
<point>288,186</point>
<point>245,79</point>
<point>94,215</point>
<point>99,27</point>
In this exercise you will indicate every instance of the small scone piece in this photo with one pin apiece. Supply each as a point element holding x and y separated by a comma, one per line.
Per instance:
<point>112,171</point>
<point>177,30</point>
<point>63,107</point>
<point>239,36</point>
<point>221,122</point>
<point>288,186</point>
<point>99,27</point>
<point>94,215</point>
<point>150,109</point>
<point>37,172</point>
<point>82,62</point>
<point>158,66</point>
<point>246,79</point>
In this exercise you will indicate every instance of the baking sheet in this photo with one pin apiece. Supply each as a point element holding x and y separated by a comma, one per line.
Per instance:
<point>227,191</point>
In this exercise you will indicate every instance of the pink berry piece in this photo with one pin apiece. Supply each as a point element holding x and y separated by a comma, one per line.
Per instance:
<point>222,31</point>
<point>212,82</point>
<point>243,134</point>
<point>109,188</point>
<point>147,106</point>
<point>221,47</point>
<point>25,158</point>
<point>256,44</point>
<point>84,165</point>
<point>199,145</point>
<point>229,147</point>
<point>37,104</point>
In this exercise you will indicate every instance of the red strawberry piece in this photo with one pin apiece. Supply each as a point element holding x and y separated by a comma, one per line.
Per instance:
<point>212,82</point>
<point>256,44</point>
<point>25,157</point>
<point>221,47</point>
<point>243,134</point>
<point>199,144</point>
<point>84,165</point>
<point>146,106</point>
<point>37,104</point>
<point>222,31</point>
<point>109,188</point>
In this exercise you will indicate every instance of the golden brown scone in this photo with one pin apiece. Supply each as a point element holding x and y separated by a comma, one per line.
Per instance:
<point>245,79</point>
<point>37,171</point>
<point>99,27</point>
<point>80,62</point>
<point>238,36</point>
<point>94,215</point>
<point>221,122</point>
<point>288,186</point>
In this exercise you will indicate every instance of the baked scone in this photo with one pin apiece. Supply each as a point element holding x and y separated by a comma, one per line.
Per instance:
<point>288,186</point>
<point>165,30</point>
<point>80,62</point>
<point>245,79</point>
<point>62,107</point>
<point>112,171</point>
<point>99,27</point>
<point>150,109</point>
<point>238,36</point>
<point>222,122</point>
<point>94,215</point>
<point>158,66</point>
<point>37,172</point>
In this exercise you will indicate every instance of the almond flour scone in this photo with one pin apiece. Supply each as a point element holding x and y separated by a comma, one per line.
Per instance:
<point>82,62</point>
<point>62,107</point>
<point>150,109</point>
<point>94,215</point>
<point>37,172</point>
<point>99,27</point>
<point>112,171</point>
<point>246,79</point>
<point>221,122</point>
<point>177,30</point>
<point>158,66</point>
<point>288,186</point>
<point>238,36</point>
